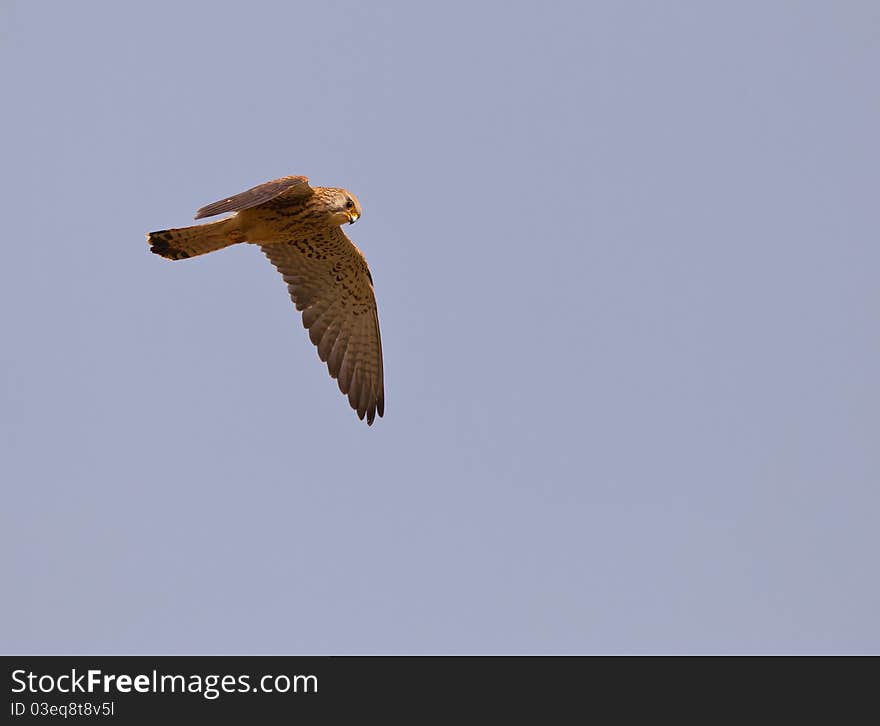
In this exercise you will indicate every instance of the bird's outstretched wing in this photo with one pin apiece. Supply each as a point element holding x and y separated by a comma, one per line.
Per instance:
<point>329,281</point>
<point>289,186</point>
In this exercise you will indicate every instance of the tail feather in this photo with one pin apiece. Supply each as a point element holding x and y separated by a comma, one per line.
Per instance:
<point>178,244</point>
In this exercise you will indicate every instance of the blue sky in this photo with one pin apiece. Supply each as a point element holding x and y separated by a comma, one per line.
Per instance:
<point>626,262</point>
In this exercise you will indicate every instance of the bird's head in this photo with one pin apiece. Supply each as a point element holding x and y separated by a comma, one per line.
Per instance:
<point>343,206</point>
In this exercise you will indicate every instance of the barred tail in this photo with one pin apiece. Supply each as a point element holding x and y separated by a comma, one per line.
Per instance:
<point>178,244</point>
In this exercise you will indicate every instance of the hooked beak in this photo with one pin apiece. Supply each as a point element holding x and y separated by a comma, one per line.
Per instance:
<point>353,217</point>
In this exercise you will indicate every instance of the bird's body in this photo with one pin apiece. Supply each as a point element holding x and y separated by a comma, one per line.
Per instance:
<point>280,220</point>
<point>298,228</point>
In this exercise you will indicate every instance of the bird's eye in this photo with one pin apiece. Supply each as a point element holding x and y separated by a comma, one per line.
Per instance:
<point>349,204</point>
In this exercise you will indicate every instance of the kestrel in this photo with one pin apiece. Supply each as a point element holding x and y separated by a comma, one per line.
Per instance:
<point>298,228</point>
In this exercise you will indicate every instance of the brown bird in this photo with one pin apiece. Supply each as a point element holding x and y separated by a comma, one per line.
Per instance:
<point>298,228</point>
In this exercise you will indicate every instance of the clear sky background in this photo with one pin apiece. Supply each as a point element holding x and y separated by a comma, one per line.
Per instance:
<point>626,257</point>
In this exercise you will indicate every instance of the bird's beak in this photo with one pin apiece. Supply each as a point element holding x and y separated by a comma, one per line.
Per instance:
<point>353,217</point>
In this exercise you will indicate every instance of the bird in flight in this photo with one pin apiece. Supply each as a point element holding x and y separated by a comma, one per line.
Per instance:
<point>298,228</point>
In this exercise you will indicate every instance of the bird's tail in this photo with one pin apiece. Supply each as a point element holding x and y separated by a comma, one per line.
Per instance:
<point>178,244</point>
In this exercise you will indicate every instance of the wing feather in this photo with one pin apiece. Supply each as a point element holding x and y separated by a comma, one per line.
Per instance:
<point>329,281</point>
<point>325,345</point>
<point>318,328</point>
<point>289,186</point>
